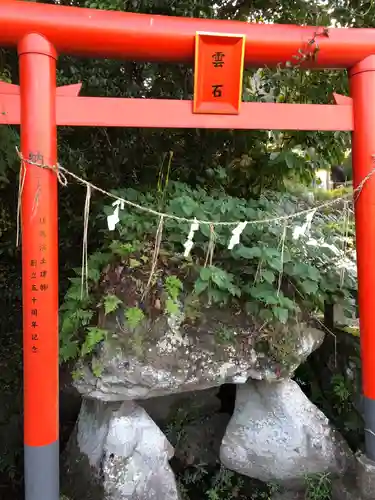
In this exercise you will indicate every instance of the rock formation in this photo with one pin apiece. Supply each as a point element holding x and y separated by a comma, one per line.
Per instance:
<point>117,452</point>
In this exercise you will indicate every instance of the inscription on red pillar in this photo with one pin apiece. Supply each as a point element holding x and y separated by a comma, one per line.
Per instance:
<point>38,274</point>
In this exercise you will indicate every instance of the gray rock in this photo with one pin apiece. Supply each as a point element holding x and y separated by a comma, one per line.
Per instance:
<point>118,453</point>
<point>276,434</point>
<point>166,356</point>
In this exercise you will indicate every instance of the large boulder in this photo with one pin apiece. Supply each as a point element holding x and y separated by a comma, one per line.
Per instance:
<point>276,434</point>
<point>169,355</point>
<point>118,453</point>
<point>336,374</point>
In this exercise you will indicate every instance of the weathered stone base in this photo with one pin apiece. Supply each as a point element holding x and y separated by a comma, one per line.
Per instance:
<point>359,486</point>
<point>277,435</point>
<point>117,452</point>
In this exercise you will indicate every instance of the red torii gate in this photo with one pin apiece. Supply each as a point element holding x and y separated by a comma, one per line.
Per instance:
<point>39,32</point>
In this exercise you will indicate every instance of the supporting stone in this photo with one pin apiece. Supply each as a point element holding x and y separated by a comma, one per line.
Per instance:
<point>277,435</point>
<point>117,452</point>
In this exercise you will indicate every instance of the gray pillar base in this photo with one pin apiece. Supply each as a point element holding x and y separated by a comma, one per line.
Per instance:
<point>366,477</point>
<point>369,418</point>
<point>42,472</point>
<point>359,486</point>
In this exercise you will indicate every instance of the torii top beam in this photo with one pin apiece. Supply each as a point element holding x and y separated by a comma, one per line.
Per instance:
<point>121,35</point>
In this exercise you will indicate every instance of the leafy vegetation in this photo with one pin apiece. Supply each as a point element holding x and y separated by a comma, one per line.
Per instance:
<point>226,485</point>
<point>281,271</point>
<point>223,484</point>
<point>319,487</point>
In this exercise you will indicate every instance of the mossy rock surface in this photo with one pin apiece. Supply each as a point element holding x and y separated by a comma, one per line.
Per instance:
<point>167,353</point>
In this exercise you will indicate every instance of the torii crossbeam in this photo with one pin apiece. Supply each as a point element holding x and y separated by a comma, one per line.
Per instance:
<point>40,32</point>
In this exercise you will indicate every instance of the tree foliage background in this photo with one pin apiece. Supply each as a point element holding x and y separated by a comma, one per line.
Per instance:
<point>243,163</point>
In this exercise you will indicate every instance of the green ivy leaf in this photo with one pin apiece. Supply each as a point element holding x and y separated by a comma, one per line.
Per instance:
<point>121,249</point>
<point>268,276</point>
<point>68,350</point>
<point>205,273</point>
<point>286,256</point>
<point>328,285</point>
<point>134,316</point>
<point>74,293</point>
<point>234,290</point>
<point>291,160</point>
<point>94,274</point>
<point>171,306</point>
<point>270,253</point>
<point>205,230</point>
<point>281,314</point>
<point>276,264</point>
<point>188,206</point>
<point>96,367</point>
<point>248,253</point>
<point>302,270</point>
<point>308,286</point>
<point>98,259</point>
<point>94,336</point>
<point>82,316</point>
<point>313,273</point>
<point>69,323</point>
<point>286,302</point>
<point>77,375</point>
<point>200,286</point>
<point>111,304</point>
<point>265,293</point>
<point>173,285</point>
<point>221,278</point>
<point>134,263</point>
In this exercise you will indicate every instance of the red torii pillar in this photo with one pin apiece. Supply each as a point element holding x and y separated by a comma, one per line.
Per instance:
<point>37,61</point>
<point>39,31</point>
<point>362,86</point>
